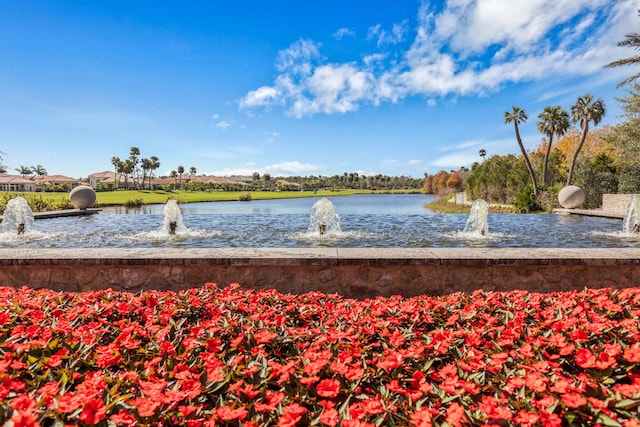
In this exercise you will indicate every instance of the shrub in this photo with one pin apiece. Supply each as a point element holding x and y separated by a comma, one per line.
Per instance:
<point>525,201</point>
<point>138,201</point>
<point>244,197</point>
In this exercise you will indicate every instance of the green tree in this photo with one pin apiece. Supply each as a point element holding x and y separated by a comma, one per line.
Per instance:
<point>516,116</point>
<point>134,154</point>
<point>24,170</point>
<point>596,178</point>
<point>631,40</point>
<point>180,172</point>
<point>39,170</point>
<point>193,171</point>
<point>482,153</point>
<point>117,169</point>
<point>584,111</point>
<point>554,121</point>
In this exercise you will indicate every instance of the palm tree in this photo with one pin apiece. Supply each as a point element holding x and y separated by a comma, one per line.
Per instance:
<point>482,153</point>
<point>585,110</point>
<point>117,166</point>
<point>174,175</point>
<point>193,171</point>
<point>155,164</point>
<point>134,153</point>
<point>24,170</point>
<point>554,120</point>
<point>632,40</point>
<point>516,116</point>
<point>180,171</point>
<point>145,165</point>
<point>39,170</point>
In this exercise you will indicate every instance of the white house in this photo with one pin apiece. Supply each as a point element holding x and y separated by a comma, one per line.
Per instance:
<point>16,183</point>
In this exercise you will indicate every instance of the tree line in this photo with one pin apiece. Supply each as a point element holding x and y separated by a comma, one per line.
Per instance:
<point>598,161</point>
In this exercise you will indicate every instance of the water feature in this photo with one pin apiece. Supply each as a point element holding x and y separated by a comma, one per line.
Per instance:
<point>324,220</point>
<point>18,217</point>
<point>172,221</point>
<point>390,220</point>
<point>477,223</point>
<point>631,221</point>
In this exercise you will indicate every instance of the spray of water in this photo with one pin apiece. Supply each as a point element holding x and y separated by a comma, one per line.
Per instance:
<point>18,217</point>
<point>172,221</point>
<point>477,222</point>
<point>631,221</point>
<point>324,219</point>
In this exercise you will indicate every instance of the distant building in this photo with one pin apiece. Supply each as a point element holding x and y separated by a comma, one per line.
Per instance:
<point>51,180</point>
<point>106,177</point>
<point>16,183</point>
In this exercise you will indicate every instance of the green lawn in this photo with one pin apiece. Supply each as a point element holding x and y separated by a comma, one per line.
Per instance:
<point>161,196</point>
<point>53,201</point>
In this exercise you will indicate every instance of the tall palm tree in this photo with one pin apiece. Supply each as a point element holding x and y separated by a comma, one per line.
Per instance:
<point>585,110</point>
<point>632,40</point>
<point>117,166</point>
<point>554,120</point>
<point>516,116</point>
<point>24,170</point>
<point>482,153</point>
<point>155,164</point>
<point>39,170</point>
<point>145,165</point>
<point>180,172</point>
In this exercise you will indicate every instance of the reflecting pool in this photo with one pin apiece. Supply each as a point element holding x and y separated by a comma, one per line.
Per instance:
<point>366,221</point>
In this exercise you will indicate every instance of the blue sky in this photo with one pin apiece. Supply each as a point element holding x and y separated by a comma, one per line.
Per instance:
<point>295,87</point>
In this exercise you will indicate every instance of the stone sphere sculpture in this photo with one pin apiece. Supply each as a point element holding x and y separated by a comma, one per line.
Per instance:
<point>571,197</point>
<point>82,197</point>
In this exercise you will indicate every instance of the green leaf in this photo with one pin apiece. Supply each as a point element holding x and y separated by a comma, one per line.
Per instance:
<point>627,403</point>
<point>607,421</point>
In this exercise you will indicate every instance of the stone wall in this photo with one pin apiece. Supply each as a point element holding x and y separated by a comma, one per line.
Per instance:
<point>357,273</point>
<point>617,203</point>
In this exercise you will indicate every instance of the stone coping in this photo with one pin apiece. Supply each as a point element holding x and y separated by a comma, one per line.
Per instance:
<point>321,256</point>
<point>351,272</point>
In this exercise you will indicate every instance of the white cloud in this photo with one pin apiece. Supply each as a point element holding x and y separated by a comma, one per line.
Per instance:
<point>431,102</point>
<point>223,125</point>
<point>414,162</point>
<point>471,48</point>
<point>293,168</point>
<point>384,37</point>
<point>215,116</point>
<point>343,32</point>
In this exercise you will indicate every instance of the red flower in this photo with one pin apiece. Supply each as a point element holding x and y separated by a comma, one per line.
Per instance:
<point>291,415</point>
<point>632,353</point>
<point>456,415</point>
<point>328,388</point>
<point>330,417</point>
<point>123,418</point>
<point>25,420</point>
<point>573,400</point>
<point>145,407</point>
<point>225,413</point>
<point>421,418</point>
<point>93,411</point>
<point>585,358</point>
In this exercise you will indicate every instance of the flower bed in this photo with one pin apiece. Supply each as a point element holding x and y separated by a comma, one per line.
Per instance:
<point>233,357</point>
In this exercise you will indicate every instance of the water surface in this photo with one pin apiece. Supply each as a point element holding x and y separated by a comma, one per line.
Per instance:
<point>366,221</point>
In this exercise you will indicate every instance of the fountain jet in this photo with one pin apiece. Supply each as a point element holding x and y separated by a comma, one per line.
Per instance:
<point>477,221</point>
<point>324,219</point>
<point>18,217</point>
<point>631,221</point>
<point>172,221</point>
